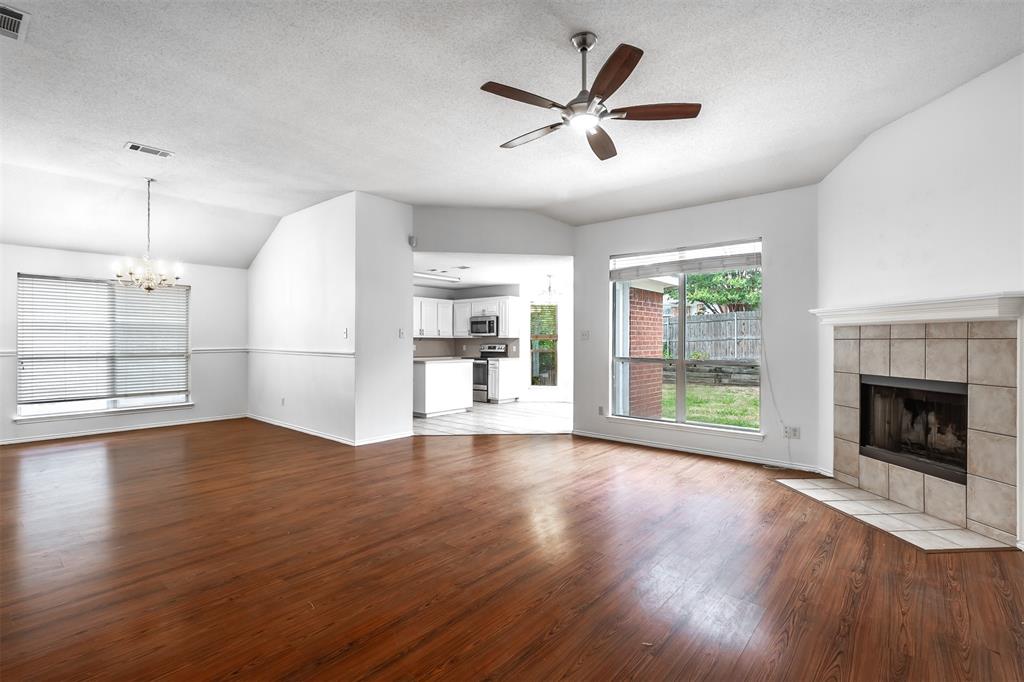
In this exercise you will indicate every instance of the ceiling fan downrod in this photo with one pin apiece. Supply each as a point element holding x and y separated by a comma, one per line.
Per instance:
<point>583,42</point>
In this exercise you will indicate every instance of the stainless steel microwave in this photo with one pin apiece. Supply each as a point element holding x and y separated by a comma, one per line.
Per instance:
<point>483,325</point>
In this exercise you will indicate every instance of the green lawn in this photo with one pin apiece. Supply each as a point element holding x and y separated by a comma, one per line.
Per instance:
<point>724,405</point>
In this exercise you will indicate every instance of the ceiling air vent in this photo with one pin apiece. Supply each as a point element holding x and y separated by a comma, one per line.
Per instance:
<point>146,149</point>
<point>12,23</point>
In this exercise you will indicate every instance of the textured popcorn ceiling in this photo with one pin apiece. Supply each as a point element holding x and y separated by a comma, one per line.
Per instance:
<point>271,107</point>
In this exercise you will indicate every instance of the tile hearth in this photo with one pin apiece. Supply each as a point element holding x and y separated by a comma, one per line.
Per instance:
<point>924,531</point>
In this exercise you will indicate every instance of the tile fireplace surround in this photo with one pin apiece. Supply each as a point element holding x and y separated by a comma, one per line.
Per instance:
<point>983,354</point>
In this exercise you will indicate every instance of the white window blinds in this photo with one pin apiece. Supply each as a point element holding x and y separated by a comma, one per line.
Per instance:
<point>92,339</point>
<point>709,258</point>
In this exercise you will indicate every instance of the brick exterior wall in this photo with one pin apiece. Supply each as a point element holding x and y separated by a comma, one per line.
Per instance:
<point>645,341</point>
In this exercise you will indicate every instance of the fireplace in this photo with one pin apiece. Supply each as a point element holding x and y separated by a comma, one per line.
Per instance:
<point>915,423</point>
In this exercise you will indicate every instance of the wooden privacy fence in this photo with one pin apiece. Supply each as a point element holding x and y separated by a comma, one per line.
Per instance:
<point>721,336</point>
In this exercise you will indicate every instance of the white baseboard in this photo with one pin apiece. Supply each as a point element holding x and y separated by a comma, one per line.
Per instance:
<point>705,451</point>
<point>329,436</point>
<point>302,429</point>
<point>117,429</point>
<point>381,439</point>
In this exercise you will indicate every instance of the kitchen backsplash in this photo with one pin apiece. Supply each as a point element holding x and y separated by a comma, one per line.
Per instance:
<point>460,348</point>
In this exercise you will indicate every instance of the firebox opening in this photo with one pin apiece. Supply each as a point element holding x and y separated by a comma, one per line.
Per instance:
<point>915,423</point>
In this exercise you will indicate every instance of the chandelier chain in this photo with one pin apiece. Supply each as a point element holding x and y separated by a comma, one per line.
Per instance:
<point>147,275</point>
<point>149,182</point>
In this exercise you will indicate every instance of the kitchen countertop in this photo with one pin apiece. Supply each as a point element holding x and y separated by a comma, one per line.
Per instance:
<point>444,359</point>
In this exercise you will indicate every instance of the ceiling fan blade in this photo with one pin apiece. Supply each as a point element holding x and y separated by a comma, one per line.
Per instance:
<point>533,135</point>
<point>602,145</point>
<point>615,71</point>
<point>520,95</point>
<point>656,112</point>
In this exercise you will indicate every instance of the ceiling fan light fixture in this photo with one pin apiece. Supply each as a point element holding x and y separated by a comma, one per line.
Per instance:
<point>585,112</point>
<point>583,122</point>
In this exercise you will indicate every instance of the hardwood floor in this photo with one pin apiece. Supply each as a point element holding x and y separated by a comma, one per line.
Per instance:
<point>239,548</point>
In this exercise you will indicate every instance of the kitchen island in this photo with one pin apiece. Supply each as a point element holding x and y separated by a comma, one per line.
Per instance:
<point>441,386</point>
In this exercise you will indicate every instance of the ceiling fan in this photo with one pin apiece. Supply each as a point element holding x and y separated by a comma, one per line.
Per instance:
<point>587,111</point>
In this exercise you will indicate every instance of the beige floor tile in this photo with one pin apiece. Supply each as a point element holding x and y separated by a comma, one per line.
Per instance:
<point>890,507</point>
<point>889,522</point>
<point>925,522</point>
<point>926,539</point>
<point>849,507</point>
<point>831,483</point>
<point>857,494</point>
<point>968,538</point>
<point>824,495</point>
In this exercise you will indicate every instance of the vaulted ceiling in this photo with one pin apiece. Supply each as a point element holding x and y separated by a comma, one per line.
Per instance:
<point>273,106</point>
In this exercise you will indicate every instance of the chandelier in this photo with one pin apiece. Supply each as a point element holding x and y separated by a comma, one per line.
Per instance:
<point>145,275</point>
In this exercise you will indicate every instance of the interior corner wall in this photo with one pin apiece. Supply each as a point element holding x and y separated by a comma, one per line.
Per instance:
<point>451,229</point>
<point>302,319</point>
<point>217,332</point>
<point>383,334</point>
<point>929,206</point>
<point>787,222</point>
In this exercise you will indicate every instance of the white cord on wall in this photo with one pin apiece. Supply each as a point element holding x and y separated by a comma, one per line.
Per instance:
<point>767,372</point>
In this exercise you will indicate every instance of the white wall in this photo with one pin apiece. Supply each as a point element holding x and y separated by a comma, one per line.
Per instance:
<point>787,222</point>
<point>490,230</point>
<point>383,334</point>
<point>930,206</point>
<point>218,338</point>
<point>56,211</point>
<point>329,293</point>
<point>302,319</point>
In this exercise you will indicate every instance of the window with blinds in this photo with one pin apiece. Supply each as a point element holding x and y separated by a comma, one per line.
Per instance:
<point>95,344</point>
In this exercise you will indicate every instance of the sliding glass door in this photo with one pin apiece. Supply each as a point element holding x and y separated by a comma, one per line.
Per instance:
<point>686,331</point>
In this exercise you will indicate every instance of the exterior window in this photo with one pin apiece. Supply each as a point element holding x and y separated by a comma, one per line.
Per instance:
<point>544,345</point>
<point>95,345</point>
<point>686,334</point>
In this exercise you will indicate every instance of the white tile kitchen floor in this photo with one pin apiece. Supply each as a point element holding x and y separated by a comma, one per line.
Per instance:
<point>921,530</point>
<point>507,418</point>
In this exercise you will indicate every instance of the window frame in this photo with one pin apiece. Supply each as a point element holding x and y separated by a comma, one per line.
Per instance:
<point>113,404</point>
<point>619,326</point>
<point>544,338</point>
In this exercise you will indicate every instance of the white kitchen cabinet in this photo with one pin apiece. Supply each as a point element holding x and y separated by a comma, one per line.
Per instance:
<point>445,311</point>
<point>461,312</point>
<point>485,306</point>
<point>428,317</point>
<point>442,386</point>
<point>504,380</point>
<point>432,317</point>
<point>417,316</point>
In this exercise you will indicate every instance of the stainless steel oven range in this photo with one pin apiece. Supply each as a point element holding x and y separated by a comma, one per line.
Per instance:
<point>485,369</point>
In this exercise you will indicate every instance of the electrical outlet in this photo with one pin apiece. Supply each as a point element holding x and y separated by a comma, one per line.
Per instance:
<point>346,332</point>
<point>463,346</point>
<point>585,335</point>
<point>401,333</point>
<point>791,432</point>
<point>282,401</point>
<point>600,410</point>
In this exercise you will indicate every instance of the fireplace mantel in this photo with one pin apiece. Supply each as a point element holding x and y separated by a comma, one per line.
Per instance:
<point>998,306</point>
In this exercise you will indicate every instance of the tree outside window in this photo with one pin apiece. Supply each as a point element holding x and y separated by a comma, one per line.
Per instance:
<point>544,345</point>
